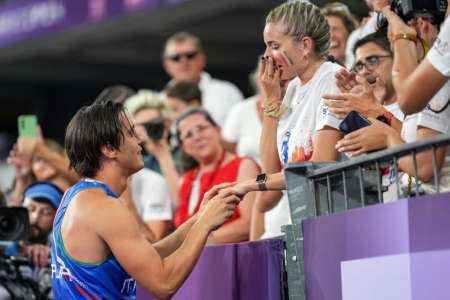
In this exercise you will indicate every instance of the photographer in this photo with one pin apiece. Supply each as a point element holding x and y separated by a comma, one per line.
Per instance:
<point>42,200</point>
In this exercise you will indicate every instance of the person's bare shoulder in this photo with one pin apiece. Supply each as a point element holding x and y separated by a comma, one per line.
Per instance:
<point>98,211</point>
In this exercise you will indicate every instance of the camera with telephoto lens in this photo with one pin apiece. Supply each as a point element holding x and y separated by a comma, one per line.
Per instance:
<point>409,9</point>
<point>18,277</point>
<point>155,129</point>
<point>14,223</point>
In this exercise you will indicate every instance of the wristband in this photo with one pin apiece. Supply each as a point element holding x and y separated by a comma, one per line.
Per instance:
<point>274,110</point>
<point>261,181</point>
<point>405,36</point>
<point>386,117</point>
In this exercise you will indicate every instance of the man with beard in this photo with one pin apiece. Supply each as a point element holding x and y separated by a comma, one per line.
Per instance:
<point>42,200</point>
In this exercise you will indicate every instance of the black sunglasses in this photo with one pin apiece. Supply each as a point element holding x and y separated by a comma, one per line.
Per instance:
<point>188,55</point>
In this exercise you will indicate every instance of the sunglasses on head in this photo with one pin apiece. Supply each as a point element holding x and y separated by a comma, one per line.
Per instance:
<point>188,55</point>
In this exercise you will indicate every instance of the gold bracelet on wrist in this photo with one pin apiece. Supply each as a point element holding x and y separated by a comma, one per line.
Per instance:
<point>274,110</point>
<point>405,36</point>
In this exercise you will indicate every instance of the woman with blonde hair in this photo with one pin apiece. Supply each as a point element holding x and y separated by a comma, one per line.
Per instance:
<point>297,127</point>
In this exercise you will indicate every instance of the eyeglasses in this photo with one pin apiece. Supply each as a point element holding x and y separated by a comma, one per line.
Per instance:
<point>371,62</point>
<point>188,55</point>
<point>196,130</point>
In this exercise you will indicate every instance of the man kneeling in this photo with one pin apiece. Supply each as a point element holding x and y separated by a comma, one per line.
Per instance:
<point>98,249</point>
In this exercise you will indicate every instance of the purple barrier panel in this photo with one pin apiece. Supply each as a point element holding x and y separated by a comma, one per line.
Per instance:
<point>430,272</point>
<point>385,277</point>
<point>430,223</point>
<point>358,233</point>
<point>396,228</point>
<point>242,271</point>
<point>24,19</point>
<point>417,276</point>
<point>260,270</point>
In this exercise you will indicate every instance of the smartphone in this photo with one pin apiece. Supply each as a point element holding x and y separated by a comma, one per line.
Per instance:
<point>27,125</point>
<point>353,121</point>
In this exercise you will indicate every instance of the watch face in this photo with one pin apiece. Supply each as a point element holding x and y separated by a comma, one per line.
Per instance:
<point>261,177</point>
<point>383,119</point>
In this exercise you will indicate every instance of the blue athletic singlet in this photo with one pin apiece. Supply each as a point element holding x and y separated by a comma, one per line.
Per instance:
<point>72,279</point>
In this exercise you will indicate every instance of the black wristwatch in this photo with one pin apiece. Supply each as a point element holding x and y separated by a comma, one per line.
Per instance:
<point>261,181</point>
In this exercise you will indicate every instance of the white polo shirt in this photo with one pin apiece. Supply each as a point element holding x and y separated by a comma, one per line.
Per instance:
<point>218,96</point>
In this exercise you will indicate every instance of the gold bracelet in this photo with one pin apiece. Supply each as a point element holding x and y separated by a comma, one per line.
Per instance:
<point>405,36</point>
<point>274,110</point>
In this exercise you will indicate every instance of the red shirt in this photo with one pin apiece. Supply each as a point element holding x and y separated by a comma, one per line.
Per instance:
<point>225,173</point>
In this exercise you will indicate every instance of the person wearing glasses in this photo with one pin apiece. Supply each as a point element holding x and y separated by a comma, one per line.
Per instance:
<point>207,164</point>
<point>427,117</point>
<point>368,88</point>
<point>370,91</point>
<point>184,59</point>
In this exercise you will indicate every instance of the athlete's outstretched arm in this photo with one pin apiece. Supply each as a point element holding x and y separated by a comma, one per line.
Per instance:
<point>160,276</point>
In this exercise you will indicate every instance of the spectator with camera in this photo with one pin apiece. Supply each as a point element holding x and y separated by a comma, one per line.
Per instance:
<point>184,59</point>
<point>433,120</point>
<point>42,199</point>
<point>342,23</point>
<point>208,164</point>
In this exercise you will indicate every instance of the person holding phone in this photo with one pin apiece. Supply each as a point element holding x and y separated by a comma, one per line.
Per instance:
<point>36,158</point>
<point>98,250</point>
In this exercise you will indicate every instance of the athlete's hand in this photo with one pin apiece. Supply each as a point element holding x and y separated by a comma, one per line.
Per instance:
<point>218,209</point>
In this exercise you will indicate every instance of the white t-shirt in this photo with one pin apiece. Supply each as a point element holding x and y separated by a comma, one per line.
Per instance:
<point>276,217</point>
<point>439,122</point>
<point>439,54</point>
<point>389,175</point>
<point>151,196</point>
<point>296,127</point>
<point>218,97</point>
<point>243,127</point>
<point>306,114</point>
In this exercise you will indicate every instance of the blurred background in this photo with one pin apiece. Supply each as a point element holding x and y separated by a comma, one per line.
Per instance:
<point>57,55</point>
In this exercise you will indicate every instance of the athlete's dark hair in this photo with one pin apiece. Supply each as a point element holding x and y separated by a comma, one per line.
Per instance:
<point>92,128</point>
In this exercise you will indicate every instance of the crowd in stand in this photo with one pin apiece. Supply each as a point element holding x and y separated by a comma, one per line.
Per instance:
<point>319,66</point>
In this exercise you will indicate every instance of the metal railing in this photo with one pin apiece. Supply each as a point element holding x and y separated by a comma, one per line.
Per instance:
<point>316,189</point>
